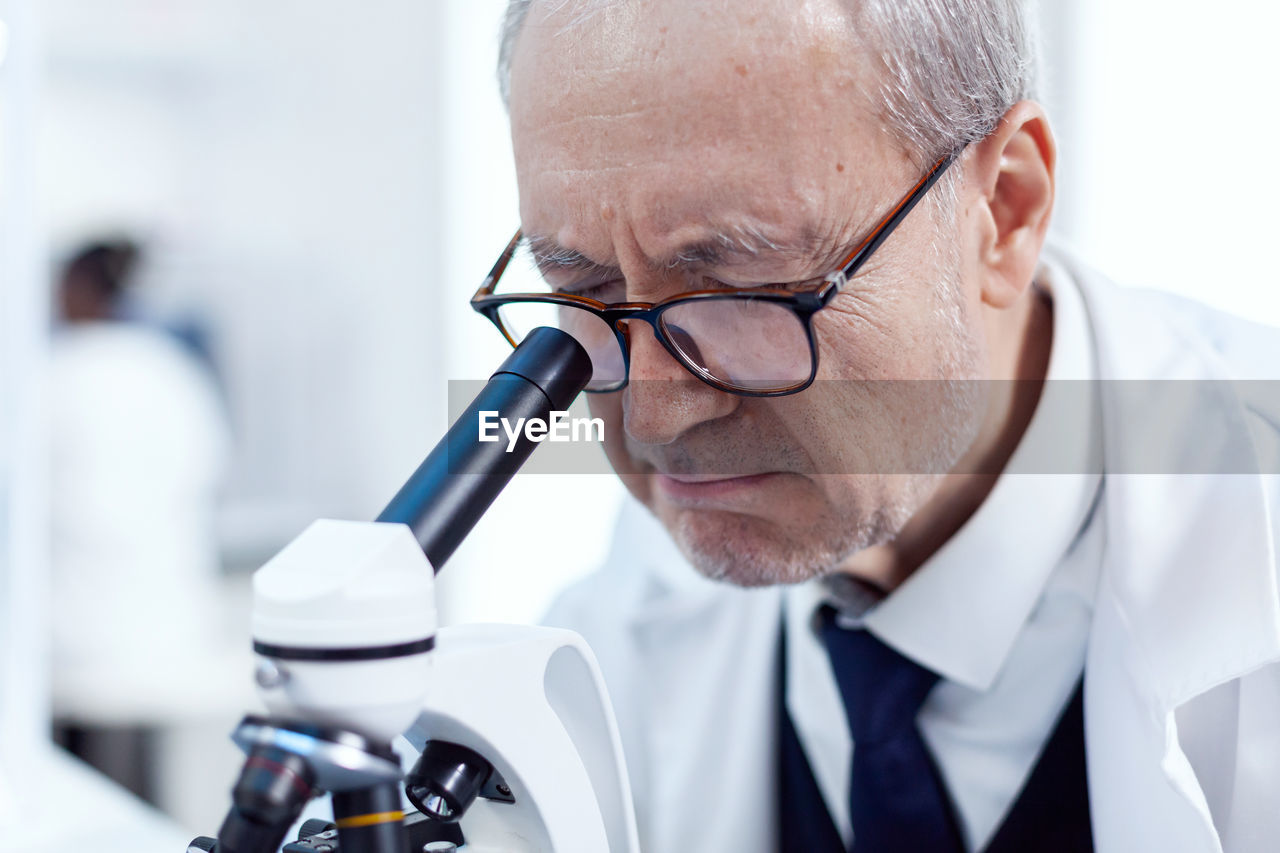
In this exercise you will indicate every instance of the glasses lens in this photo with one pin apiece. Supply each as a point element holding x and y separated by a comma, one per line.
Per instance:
<point>527,274</point>
<point>749,344</point>
<point>607,368</point>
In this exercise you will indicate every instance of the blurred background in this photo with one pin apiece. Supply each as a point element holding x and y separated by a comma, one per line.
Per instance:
<point>256,226</point>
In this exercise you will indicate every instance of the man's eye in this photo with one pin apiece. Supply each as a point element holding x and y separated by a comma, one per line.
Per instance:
<point>708,283</point>
<point>614,290</point>
<point>802,286</point>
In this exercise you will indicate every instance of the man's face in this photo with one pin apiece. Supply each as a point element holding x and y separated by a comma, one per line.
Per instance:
<point>638,136</point>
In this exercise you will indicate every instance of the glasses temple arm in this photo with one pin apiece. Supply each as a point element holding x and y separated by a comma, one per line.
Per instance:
<point>895,217</point>
<point>500,266</point>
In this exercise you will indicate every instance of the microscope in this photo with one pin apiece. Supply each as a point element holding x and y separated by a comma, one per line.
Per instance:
<point>518,749</point>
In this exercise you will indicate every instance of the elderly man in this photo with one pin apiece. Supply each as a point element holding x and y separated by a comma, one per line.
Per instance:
<point>933,609</point>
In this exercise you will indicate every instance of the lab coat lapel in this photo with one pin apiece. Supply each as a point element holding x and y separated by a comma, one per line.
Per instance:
<point>1179,611</point>
<point>709,654</point>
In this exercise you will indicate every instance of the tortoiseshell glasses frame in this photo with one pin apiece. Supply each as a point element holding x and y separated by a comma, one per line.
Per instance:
<point>803,304</point>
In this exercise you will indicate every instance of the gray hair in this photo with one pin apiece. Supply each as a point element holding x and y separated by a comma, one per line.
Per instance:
<point>950,69</point>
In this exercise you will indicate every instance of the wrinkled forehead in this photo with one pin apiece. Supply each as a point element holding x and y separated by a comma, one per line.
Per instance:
<point>683,109</point>
<point>612,55</point>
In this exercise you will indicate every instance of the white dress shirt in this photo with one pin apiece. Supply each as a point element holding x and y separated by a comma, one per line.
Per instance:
<point>1001,612</point>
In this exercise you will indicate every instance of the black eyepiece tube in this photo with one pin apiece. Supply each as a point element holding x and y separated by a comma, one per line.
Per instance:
<point>462,475</point>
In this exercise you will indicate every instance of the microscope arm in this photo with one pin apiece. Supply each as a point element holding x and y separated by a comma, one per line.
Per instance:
<point>536,705</point>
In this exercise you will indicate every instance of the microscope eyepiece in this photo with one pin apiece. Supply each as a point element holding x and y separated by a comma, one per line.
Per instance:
<point>462,476</point>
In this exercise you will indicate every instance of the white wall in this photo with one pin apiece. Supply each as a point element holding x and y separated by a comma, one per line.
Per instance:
<point>1166,175</point>
<point>24,706</point>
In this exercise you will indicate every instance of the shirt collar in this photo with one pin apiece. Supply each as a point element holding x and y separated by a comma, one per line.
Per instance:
<point>960,613</point>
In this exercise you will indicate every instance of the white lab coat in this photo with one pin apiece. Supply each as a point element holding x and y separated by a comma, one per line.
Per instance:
<point>137,444</point>
<point>1182,680</point>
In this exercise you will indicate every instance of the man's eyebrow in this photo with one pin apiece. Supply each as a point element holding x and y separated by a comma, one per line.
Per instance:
<point>548,253</point>
<point>722,248</point>
<point>741,243</point>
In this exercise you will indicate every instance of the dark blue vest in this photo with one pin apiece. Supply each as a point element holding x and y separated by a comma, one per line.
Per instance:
<point>1049,815</point>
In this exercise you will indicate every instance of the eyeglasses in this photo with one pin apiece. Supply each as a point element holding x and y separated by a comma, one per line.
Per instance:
<point>755,343</point>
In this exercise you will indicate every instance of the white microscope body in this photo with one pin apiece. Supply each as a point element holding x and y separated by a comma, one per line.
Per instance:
<point>530,701</point>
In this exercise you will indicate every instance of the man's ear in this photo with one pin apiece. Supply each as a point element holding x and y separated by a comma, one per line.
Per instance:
<point>1012,172</point>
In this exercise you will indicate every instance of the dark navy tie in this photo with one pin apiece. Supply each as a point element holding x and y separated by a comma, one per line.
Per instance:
<point>897,799</point>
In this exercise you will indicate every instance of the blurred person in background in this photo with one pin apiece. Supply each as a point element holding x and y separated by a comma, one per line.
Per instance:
<point>138,442</point>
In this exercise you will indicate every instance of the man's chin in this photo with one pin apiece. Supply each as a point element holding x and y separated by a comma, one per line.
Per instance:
<point>746,550</point>
<point>761,530</point>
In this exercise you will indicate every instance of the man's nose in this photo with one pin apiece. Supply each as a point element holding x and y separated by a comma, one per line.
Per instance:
<point>662,399</point>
